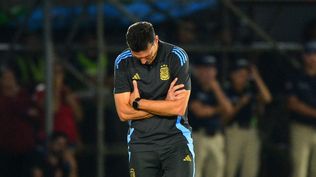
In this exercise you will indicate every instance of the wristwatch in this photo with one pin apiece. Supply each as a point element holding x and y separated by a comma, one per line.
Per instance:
<point>135,103</point>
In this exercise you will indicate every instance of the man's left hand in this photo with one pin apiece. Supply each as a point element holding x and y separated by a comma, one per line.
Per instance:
<point>175,92</point>
<point>135,94</point>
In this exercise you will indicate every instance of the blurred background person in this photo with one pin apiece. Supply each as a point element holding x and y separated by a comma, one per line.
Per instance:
<point>247,91</point>
<point>207,105</point>
<point>67,109</point>
<point>86,60</point>
<point>60,160</point>
<point>186,32</point>
<point>17,118</point>
<point>302,103</point>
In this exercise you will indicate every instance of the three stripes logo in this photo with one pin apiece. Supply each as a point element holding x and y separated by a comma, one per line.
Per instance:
<point>183,57</point>
<point>123,56</point>
<point>187,159</point>
<point>136,77</point>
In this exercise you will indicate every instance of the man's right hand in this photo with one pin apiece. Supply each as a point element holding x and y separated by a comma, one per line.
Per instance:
<point>175,92</point>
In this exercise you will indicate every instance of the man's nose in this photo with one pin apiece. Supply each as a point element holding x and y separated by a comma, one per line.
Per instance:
<point>143,61</point>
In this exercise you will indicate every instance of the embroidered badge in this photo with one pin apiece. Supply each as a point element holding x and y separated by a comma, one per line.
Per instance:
<point>164,72</point>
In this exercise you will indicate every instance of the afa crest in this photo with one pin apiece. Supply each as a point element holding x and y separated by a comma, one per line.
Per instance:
<point>164,72</point>
<point>132,172</point>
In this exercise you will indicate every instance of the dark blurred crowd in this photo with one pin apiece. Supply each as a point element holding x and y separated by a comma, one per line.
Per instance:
<point>25,148</point>
<point>225,117</point>
<point>230,106</point>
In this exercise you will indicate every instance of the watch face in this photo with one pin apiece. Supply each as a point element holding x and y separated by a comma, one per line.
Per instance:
<point>135,104</point>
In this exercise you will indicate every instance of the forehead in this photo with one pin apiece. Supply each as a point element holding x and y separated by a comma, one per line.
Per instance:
<point>241,71</point>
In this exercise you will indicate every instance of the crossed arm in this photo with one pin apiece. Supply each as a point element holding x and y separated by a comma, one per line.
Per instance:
<point>125,111</point>
<point>166,107</point>
<point>224,106</point>
<point>296,105</point>
<point>174,104</point>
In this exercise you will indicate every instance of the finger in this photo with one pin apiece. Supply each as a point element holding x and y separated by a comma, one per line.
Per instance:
<point>180,86</point>
<point>136,91</point>
<point>135,85</point>
<point>178,92</point>
<point>180,96</point>
<point>173,83</point>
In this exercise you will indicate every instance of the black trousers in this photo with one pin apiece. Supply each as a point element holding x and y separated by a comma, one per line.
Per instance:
<point>175,161</point>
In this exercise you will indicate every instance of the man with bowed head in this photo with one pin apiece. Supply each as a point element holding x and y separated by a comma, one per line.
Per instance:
<point>151,91</point>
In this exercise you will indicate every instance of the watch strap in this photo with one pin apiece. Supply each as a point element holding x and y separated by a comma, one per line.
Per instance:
<point>135,103</point>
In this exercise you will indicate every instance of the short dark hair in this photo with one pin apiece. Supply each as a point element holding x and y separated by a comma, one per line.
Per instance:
<point>139,35</point>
